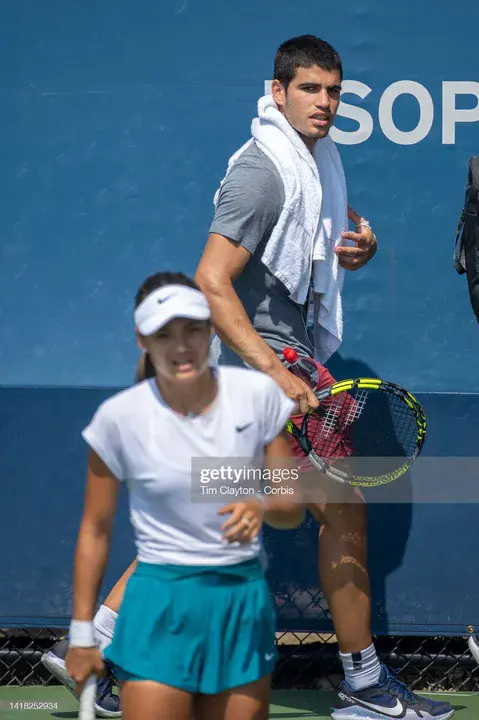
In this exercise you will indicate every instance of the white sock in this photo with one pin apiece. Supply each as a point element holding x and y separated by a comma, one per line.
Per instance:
<point>361,669</point>
<point>104,626</point>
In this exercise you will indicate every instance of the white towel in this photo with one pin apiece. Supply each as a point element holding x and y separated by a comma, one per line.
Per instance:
<point>300,251</point>
<point>328,275</point>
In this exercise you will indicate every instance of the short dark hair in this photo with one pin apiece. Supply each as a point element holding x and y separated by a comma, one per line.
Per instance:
<point>304,51</point>
<point>145,369</point>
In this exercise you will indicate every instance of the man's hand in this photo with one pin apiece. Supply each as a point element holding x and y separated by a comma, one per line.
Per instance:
<point>297,390</point>
<point>353,258</point>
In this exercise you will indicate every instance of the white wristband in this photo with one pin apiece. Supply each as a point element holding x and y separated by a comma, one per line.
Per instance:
<point>81,634</point>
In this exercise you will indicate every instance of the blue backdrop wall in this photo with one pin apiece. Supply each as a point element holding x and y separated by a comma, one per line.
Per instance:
<point>116,126</point>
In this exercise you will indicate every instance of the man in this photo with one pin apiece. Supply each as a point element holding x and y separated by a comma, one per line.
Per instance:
<point>255,283</point>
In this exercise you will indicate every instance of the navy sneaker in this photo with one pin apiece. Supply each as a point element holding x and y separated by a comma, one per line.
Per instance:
<point>107,703</point>
<point>389,698</point>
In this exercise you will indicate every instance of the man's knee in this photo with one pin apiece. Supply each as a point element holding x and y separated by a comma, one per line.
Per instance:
<point>349,514</point>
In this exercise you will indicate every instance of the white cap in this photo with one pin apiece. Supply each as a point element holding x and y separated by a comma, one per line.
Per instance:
<point>167,303</point>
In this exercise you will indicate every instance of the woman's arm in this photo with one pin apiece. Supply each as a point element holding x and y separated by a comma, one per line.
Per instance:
<point>94,537</point>
<point>83,658</point>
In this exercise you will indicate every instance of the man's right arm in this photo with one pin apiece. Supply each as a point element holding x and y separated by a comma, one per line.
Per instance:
<point>245,213</point>
<point>221,263</point>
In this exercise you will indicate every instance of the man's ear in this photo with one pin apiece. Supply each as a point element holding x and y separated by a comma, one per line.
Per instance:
<point>278,92</point>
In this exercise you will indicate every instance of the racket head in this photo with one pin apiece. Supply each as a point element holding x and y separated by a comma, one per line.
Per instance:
<point>87,699</point>
<point>365,432</point>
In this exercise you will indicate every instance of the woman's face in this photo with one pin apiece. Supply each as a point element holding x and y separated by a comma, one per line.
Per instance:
<point>180,351</point>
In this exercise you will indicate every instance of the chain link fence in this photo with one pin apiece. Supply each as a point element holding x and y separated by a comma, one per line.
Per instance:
<point>427,664</point>
<point>307,660</point>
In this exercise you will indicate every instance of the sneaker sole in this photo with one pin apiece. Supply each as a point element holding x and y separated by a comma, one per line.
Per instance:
<point>56,668</point>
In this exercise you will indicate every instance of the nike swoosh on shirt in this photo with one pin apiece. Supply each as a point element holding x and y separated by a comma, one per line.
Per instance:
<point>395,711</point>
<point>243,427</point>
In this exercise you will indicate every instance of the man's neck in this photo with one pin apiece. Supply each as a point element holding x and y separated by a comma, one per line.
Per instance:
<point>309,142</point>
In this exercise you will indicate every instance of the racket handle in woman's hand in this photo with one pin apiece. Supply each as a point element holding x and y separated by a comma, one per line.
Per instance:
<point>82,663</point>
<point>87,699</point>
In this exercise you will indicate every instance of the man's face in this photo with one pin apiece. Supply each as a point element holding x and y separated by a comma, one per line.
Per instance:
<point>311,101</point>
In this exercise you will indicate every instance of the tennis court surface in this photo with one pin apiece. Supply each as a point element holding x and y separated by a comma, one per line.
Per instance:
<point>33,702</point>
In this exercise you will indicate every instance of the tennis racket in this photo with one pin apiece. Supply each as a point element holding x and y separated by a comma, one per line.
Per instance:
<point>365,432</point>
<point>87,700</point>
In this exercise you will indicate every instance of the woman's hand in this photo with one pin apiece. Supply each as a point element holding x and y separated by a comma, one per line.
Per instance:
<point>245,522</point>
<point>83,662</point>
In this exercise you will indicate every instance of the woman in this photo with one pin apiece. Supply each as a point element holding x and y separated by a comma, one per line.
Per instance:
<point>196,629</point>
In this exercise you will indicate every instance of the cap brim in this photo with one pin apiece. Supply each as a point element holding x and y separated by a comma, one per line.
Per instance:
<point>153,324</point>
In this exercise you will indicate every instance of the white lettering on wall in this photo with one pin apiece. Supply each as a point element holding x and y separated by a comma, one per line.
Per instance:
<point>450,115</point>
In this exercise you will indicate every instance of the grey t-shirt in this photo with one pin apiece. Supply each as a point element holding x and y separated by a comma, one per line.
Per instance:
<point>249,205</point>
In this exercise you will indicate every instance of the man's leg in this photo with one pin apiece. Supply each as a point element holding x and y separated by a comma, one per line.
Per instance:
<point>343,570</point>
<point>369,688</point>
<point>342,514</point>
<point>344,577</point>
<point>107,614</point>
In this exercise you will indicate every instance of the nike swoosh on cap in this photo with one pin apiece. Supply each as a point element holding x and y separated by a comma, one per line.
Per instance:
<point>162,300</point>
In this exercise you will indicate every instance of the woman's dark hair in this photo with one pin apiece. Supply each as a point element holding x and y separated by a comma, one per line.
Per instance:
<point>158,280</point>
<point>304,51</point>
<point>145,367</point>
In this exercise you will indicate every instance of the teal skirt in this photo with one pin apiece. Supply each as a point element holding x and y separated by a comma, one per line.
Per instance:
<point>200,629</point>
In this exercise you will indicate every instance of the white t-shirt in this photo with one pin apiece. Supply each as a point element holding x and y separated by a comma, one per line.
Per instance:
<point>150,447</point>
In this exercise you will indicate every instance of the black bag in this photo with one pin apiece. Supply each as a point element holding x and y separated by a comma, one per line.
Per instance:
<point>466,250</point>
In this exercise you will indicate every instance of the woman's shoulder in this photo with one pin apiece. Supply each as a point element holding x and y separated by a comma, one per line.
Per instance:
<point>124,402</point>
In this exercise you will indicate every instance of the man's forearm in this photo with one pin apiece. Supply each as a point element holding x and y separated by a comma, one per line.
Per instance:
<point>234,327</point>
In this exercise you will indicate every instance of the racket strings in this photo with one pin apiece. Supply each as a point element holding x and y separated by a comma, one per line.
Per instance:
<point>330,420</point>
<point>403,425</point>
<point>363,423</point>
<point>392,423</point>
<point>356,409</point>
<point>343,412</point>
<point>329,426</point>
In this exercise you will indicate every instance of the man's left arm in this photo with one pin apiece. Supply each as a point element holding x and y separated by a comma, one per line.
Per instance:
<point>353,258</point>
